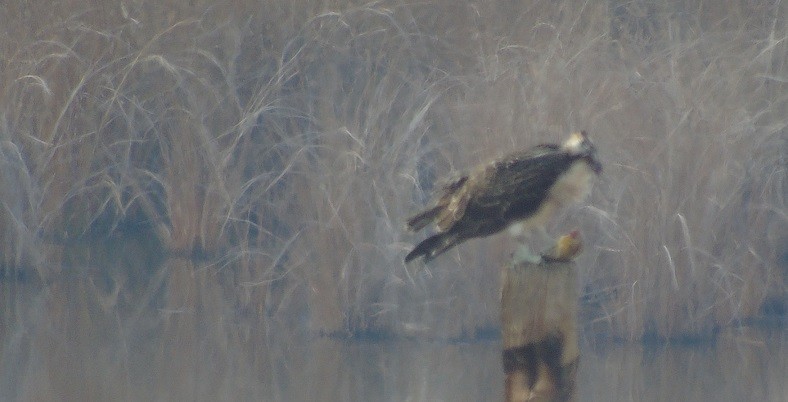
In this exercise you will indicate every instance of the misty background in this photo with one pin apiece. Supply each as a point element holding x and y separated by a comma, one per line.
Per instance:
<point>205,200</point>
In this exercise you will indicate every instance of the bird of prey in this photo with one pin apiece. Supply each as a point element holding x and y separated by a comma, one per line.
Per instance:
<point>521,191</point>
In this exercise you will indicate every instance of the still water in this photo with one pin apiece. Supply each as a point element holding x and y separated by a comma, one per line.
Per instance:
<point>58,344</point>
<point>741,365</point>
<point>68,354</point>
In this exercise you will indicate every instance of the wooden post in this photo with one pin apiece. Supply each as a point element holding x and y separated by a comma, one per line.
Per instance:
<point>539,325</point>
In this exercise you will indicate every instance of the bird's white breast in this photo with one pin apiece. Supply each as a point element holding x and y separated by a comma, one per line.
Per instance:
<point>573,185</point>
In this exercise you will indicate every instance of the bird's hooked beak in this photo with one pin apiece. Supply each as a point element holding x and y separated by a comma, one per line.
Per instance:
<point>594,164</point>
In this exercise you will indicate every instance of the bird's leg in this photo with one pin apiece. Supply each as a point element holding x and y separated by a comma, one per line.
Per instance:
<point>523,254</point>
<point>545,238</point>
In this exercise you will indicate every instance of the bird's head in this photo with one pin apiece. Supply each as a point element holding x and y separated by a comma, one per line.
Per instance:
<point>579,144</point>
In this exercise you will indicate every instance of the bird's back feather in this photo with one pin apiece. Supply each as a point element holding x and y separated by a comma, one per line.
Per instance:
<point>432,246</point>
<point>495,195</point>
<point>450,205</point>
<point>424,218</point>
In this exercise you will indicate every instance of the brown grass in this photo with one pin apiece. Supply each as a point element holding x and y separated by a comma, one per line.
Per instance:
<point>274,150</point>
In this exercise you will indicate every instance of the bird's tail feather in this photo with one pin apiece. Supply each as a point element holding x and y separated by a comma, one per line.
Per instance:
<point>432,246</point>
<point>422,219</point>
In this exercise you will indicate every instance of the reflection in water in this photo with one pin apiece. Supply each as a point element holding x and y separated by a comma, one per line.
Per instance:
<point>61,343</point>
<point>745,365</point>
<point>393,371</point>
<point>66,360</point>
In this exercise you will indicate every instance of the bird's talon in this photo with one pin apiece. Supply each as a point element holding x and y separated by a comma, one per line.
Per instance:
<point>524,255</point>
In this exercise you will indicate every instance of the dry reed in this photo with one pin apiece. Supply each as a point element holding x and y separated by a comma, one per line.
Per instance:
<point>273,151</point>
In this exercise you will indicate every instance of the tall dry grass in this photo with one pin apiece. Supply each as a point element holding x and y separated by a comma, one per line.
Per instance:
<point>273,150</point>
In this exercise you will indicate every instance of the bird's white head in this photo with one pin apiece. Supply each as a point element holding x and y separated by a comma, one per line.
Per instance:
<point>578,143</point>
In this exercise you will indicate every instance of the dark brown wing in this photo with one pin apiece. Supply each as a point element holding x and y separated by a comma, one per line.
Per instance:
<point>491,198</point>
<point>459,192</point>
<point>511,189</point>
<point>449,206</point>
<point>454,201</point>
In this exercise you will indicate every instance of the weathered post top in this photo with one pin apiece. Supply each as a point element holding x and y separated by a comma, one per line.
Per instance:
<point>539,324</point>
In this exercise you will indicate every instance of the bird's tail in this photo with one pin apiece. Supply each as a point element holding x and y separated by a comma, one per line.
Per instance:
<point>422,219</point>
<point>432,246</point>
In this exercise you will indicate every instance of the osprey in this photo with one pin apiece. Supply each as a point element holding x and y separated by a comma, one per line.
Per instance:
<point>521,191</point>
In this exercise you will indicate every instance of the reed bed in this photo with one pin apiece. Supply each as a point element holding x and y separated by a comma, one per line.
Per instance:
<point>244,168</point>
